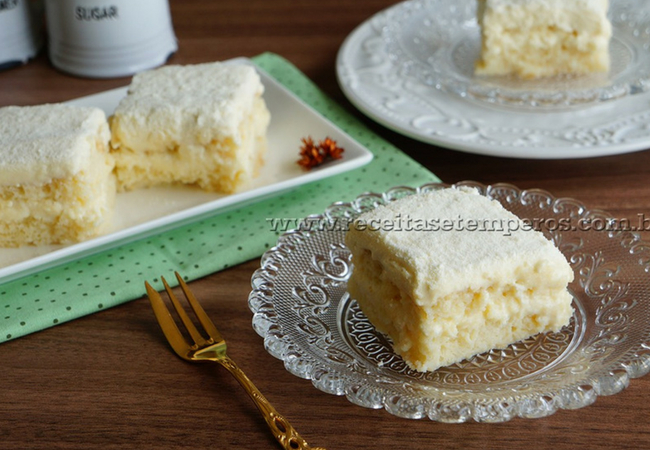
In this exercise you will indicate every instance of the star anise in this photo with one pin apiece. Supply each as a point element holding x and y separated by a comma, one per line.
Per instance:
<point>312,155</point>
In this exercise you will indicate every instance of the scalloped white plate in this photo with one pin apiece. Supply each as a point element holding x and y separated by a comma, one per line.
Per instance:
<point>438,42</point>
<point>376,86</point>
<point>307,319</point>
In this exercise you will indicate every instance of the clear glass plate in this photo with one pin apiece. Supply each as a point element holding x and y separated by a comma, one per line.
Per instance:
<point>437,42</point>
<point>307,320</point>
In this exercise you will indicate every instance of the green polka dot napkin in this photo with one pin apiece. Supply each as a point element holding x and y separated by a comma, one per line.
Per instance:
<point>115,276</point>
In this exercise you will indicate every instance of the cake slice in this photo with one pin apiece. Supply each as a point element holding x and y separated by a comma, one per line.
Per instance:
<point>450,274</point>
<point>56,180</point>
<point>543,38</point>
<point>201,124</point>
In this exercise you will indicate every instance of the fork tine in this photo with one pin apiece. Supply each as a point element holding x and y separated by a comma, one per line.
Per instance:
<point>208,325</point>
<point>191,329</point>
<point>167,322</point>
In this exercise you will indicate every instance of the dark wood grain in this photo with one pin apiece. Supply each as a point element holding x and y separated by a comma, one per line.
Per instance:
<point>109,380</point>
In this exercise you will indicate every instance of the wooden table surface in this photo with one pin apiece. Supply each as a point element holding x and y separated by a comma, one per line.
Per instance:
<point>110,381</point>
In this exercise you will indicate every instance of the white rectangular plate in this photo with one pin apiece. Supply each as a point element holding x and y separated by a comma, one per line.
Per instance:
<point>145,212</point>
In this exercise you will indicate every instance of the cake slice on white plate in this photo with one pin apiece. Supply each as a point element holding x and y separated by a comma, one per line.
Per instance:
<point>543,38</point>
<point>202,124</point>
<point>56,174</point>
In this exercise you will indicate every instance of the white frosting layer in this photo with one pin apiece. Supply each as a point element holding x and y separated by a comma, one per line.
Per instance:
<point>599,6</point>
<point>581,16</point>
<point>455,249</point>
<point>185,106</point>
<point>46,142</point>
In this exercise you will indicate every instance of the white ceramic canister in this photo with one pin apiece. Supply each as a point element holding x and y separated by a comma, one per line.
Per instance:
<point>20,37</point>
<point>109,38</point>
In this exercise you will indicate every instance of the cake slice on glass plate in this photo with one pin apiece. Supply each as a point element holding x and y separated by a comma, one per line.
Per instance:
<point>451,274</point>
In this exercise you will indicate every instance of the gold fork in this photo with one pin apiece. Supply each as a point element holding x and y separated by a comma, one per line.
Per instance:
<point>214,349</point>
